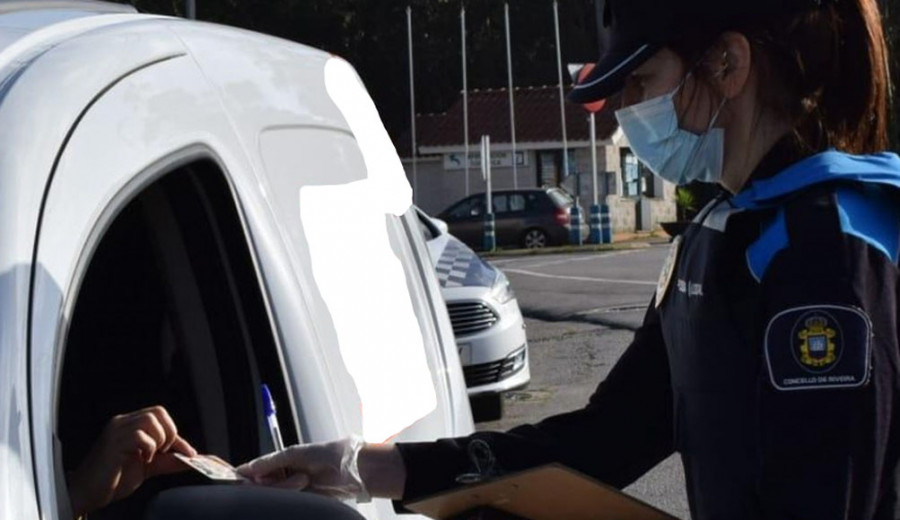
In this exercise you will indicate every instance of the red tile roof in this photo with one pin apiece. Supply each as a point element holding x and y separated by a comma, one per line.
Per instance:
<point>537,120</point>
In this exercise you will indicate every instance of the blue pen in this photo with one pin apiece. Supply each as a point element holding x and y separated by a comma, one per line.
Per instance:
<point>272,418</point>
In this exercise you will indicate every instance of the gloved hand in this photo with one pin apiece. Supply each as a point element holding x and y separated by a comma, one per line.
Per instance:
<point>328,468</point>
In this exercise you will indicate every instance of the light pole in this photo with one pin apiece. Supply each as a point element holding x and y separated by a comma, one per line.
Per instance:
<point>490,225</point>
<point>190,9</point>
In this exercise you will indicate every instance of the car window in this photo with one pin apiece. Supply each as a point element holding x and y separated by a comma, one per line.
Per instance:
<point>517,202</point>
<point>471,207</point>
<point>533,201</point>
<point>500,204</point>
<point>171,312</point>
<point>560,198</point>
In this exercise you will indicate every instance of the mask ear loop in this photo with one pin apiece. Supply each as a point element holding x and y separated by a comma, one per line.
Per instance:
<point>704,137</point>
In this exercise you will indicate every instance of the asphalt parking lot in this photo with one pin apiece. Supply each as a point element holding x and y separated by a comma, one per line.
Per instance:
<point>581,310</point>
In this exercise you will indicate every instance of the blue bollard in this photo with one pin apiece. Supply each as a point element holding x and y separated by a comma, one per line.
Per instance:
<point>605,225</point>
<point>595,237</point>
<point>490,236</point>
<point>575,237</point>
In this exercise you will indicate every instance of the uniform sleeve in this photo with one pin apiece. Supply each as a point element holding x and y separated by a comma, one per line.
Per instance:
<point>829,379</point>
<point>624,431</point>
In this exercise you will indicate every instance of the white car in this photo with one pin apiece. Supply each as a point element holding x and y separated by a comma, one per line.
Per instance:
<point>487,322</point>
<point>175,199</point>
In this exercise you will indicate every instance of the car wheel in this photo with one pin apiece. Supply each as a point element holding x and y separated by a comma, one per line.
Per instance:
<point>535,239</point>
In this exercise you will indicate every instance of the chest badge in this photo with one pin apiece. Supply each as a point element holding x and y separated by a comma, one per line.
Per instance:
<point>817,349</point>
<point>668,270</point>
<point>819,346</point>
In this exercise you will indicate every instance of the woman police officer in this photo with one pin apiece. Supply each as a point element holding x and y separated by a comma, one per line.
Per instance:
<point>769,356</point>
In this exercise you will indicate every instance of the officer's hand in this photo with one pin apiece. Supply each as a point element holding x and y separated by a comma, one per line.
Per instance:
<point>329,468</point>
<point>347,468</point>
<point>132,448</point>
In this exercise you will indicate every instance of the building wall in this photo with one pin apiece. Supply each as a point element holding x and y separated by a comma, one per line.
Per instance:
<point>439,188</point>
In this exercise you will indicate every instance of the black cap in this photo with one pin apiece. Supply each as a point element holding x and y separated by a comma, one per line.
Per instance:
<point>631,31</point>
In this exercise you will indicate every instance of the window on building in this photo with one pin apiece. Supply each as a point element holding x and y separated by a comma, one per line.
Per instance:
<point>637,179</point>
<point>548,172</point>
<point>630,174</point>
<point>552,168</point>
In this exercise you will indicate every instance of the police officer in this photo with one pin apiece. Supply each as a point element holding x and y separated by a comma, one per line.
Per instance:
<point>768,358</point>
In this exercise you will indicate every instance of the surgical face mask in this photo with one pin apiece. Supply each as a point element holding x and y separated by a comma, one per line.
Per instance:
<point>670,152</point>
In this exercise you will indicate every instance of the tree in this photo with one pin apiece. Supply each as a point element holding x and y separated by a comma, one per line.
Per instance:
<point>371,34</point>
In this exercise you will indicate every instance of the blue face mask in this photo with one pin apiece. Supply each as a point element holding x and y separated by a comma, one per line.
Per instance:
<point>670,152</point>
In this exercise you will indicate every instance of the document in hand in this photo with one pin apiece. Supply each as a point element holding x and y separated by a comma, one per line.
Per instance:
<point>551,492</point>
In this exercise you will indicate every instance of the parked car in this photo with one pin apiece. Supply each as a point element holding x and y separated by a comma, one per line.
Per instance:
<point>532,218</point>
<point>487,322</point>
<point>175,202</point>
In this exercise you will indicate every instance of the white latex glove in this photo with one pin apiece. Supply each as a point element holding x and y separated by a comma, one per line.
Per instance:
<point>328,468</point>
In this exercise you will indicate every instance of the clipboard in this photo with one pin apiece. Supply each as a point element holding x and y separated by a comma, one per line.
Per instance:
<point>550,492</point>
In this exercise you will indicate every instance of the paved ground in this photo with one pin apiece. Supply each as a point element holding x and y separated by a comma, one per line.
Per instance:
<point>580,310</point>
<point>610,289</point>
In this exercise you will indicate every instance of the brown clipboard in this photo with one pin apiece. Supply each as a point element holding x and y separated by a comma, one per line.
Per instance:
<point>551,492</point>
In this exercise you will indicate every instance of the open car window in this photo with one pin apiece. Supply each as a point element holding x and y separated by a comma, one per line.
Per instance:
<point>171,312</point>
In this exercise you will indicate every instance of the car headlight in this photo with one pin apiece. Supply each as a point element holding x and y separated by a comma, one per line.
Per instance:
<point>502,291</point>
<point>518,360</point>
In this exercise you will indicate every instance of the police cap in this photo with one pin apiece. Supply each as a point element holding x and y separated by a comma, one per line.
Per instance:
<point>634,30</point>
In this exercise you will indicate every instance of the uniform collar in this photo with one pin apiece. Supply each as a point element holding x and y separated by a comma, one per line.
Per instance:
<point>766,190</point>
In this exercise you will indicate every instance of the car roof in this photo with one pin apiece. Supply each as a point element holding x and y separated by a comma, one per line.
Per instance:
<point>9,6</point>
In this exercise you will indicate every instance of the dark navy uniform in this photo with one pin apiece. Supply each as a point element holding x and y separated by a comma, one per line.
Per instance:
<point>768,359</point>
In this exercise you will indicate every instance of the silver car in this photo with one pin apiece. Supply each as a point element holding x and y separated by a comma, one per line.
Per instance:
<point>487,322</point>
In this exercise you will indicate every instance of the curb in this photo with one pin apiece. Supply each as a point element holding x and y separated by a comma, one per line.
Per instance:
<point>548,317</point>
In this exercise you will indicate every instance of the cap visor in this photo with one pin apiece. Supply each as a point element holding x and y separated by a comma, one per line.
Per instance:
<point>608,77</point>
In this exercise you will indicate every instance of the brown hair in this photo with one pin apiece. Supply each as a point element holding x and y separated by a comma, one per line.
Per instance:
<point>824,70</point>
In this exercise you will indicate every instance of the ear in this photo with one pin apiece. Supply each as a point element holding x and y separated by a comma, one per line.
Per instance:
<point>731,66</point>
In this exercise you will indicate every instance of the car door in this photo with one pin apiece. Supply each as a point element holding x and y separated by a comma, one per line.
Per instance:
<point>466,220</point>
<point>149,194</point>
<point>508,208</point>
<point>353,266</point>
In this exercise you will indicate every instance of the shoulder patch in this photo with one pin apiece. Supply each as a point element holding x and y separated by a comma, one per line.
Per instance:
<point>773,239</point>
<point>871,216</point>
<point>819,347</point>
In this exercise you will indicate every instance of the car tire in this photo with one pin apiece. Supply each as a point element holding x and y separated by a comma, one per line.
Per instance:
<point>535,238</point>
<point>486,407</point>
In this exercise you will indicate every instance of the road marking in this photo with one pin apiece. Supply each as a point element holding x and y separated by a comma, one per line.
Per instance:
<point>579,278</point>
<point>579,258</point>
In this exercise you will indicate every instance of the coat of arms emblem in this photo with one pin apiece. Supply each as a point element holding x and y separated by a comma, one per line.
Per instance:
<point>817,348</point>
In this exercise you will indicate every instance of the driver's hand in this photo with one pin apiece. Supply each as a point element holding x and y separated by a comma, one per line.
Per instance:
<point>132,448</point>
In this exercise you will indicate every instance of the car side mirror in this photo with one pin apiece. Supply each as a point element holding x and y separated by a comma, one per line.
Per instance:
<point>441,225</point>
<point>474,212</point>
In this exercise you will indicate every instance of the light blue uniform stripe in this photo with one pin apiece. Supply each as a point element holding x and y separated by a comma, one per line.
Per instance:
<point>773,240</point>
<point>871,217</point>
